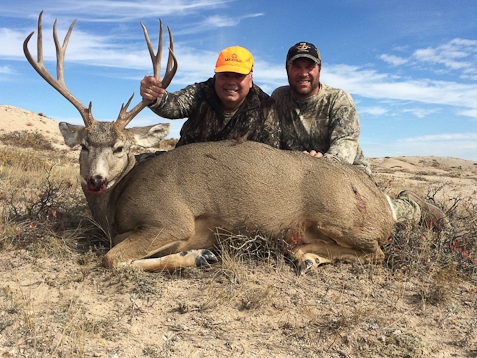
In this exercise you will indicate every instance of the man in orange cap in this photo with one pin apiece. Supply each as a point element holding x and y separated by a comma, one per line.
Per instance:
<point>226,106</point>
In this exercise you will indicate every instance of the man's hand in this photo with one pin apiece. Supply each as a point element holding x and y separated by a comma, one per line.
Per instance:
<point>151,89</point>
<point>314,153</point>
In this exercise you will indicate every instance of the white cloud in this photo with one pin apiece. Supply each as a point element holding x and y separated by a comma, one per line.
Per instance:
<point>212,23</point>
<point>12,42</point>
<point>221,21</point>
<point>455,55</point>
<point>393,60</point>
<point>372,84</point>
<point>469,113</point>
<point>224,21</point>
<point>448,59</point>
<point>5,70</point>
<point>375,111</point>
<point>450,54</point>
<point>441,138</point>
<point>120,11</point>
<point>460,145</point>
<point>421,112</point>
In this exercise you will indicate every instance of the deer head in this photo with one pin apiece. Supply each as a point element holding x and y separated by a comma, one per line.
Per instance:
<point>105,156</point>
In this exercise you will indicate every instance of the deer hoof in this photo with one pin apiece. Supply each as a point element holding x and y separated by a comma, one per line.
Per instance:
<point>305,266</point>
<point>204,258</point>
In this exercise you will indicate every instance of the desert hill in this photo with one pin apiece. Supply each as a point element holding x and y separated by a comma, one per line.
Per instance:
<point>17,119</point>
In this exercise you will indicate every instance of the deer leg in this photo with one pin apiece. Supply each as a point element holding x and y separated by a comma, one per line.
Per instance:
<point>183,245</point>
<point>310,256</point>
<point>191,258</point>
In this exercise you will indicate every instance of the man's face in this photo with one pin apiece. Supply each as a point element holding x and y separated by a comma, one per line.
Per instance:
<point>304,77</point>
<point>232,88</point>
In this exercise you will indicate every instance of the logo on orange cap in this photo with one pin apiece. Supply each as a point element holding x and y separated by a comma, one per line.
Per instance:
<point>234,59</point>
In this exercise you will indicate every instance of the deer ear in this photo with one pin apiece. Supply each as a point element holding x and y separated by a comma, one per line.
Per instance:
<point>72,134</point>
<point>149,136</point>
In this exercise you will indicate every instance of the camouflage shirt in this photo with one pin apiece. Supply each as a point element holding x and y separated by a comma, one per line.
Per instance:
<point>207,120</point>
<point>326,122</point>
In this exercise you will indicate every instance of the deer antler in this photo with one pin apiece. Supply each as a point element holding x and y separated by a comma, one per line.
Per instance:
<point>58,84</point>
<point>124,116</point>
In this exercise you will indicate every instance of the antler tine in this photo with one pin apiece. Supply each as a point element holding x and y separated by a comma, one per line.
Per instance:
<point>58,84</point>
<point>171,49</point>
<point>124,116</point>
<point>156,59</point>
<point>170,69</point>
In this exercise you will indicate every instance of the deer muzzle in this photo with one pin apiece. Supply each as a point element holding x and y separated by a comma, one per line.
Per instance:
<point>95,184</point>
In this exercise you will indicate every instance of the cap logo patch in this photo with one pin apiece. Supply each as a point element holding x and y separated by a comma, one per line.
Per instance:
<point>303,47</point>
<point>233,58</point>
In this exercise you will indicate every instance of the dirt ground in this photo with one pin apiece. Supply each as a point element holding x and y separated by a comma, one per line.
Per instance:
<point>58,301</point>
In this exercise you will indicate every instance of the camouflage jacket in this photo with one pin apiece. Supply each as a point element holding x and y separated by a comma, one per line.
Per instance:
<point>206,118</point>
<point>326,122</point>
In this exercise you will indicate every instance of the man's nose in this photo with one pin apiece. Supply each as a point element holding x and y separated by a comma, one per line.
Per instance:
<point>232,80</point>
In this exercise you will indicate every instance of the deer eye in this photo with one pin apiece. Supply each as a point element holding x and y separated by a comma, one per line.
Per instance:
<point>83,147</point>
<point>118,150</point>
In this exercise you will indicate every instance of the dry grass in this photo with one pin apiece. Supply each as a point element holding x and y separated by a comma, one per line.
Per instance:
<point>57,300</point>
<point>27,139</point>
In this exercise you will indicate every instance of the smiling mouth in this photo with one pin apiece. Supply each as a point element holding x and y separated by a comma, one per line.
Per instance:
<point>231,91</point>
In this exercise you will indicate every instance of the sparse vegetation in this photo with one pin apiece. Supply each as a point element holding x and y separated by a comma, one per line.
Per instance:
<point>21,160</point>
<point>58,301</point>
<point>26,139</point>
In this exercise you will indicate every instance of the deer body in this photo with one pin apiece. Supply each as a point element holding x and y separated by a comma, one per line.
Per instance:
<point>173,202</point>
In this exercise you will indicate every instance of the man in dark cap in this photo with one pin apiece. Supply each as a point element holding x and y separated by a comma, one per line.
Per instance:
<point>323,122</point>
<point>314,117</point>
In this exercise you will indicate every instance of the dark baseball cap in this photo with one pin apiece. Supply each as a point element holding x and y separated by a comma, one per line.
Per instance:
<point>303,49</point>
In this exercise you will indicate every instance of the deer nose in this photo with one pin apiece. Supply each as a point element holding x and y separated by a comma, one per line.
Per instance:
<point>96,181</point>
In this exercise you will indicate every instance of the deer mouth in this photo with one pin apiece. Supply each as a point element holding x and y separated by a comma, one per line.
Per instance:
<point>95,186</point>
<point>95,189</point>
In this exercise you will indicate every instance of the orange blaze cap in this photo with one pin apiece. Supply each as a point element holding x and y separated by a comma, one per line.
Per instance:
<point>235,59</point>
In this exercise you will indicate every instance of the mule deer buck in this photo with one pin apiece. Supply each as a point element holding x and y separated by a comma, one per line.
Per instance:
<point>161,213</point>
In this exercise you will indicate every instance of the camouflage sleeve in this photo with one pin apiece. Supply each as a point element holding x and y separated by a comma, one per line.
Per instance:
<point>344,128</point>
<point>271,132</point>
<point>178,104</point>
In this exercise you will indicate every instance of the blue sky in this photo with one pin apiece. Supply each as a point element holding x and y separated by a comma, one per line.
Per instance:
<point>411,66</point>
